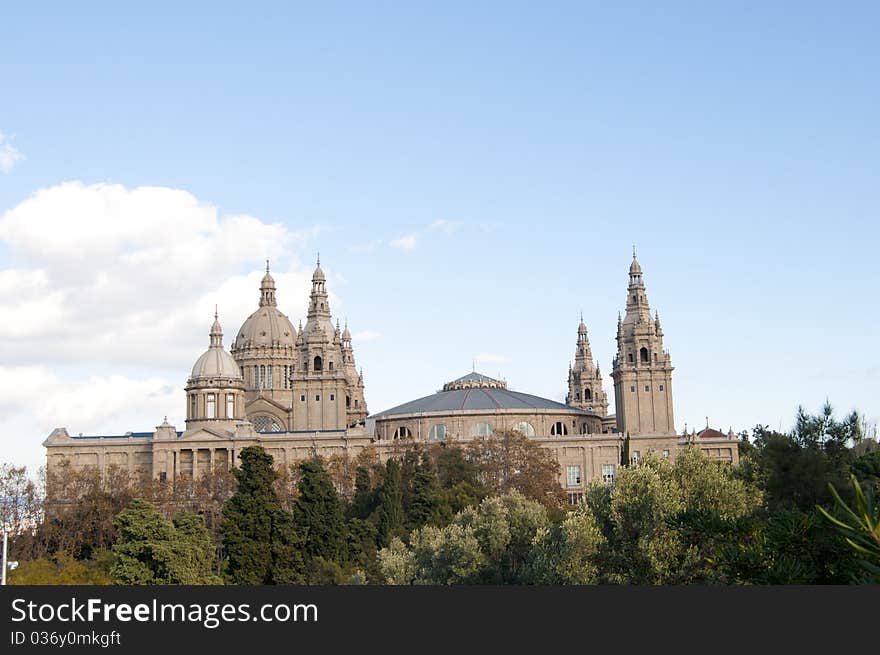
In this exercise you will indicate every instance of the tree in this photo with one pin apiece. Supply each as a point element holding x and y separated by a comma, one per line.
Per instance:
<point>624,452</point>
<point>390,523</point>
<point>317,513</point>
<point>508,461</point>
<point>364,500</point>
<point>152,550</point>
<point>424,498</point>
<point>860,528</point>
<point>261,542</point>
<point>568,553</point>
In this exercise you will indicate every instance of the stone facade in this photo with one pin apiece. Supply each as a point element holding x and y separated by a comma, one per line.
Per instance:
<point>297,393</point>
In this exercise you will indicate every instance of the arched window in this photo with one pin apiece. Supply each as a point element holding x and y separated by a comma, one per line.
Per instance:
<point>558,429</point>
<point>437,433</point>
<point>481,430</point>
<point>643,355</point>
<point>630,357</point>
<point>588,394</point>
<point>355,403</point>
<point>402,432</point>
<point>319,365</point>
<point>348,402</point>
<point>525,428</point>
<point>266,424</point>
<point>211,406</point>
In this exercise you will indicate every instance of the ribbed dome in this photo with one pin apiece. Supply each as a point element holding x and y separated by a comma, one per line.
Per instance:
<point>265,327</point>
<point>216,363</point>
<point>635,267</point>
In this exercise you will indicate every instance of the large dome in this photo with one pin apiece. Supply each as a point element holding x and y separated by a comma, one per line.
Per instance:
<point>265,327</point>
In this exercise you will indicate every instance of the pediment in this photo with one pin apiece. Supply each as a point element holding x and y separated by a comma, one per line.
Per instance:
<point>261,401</point>
<point>206,434</point>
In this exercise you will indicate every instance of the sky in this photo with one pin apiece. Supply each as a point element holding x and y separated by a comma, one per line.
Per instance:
<point>474,175</point>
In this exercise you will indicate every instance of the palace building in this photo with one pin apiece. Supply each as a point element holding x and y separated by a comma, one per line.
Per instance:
<point>298,393</point>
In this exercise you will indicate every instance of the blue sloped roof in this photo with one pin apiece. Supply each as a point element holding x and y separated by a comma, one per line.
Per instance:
<point>135,435</point>
<point>477,399</point>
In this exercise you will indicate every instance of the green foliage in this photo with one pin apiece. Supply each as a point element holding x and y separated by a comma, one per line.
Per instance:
<point>390,508</point>
<point>624,452</point>
<point>62,569</point>
<point>259,536</point>
<point>661,522</point>
<point>364,499</point>
<point>318,515</point>
<point>425,498</point>
<point>569,553</point>
<point>860,527</point>
<point>152,550</point>
<point>488,543</point>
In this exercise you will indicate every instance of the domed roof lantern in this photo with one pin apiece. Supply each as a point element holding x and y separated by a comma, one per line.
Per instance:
<point>635,268</point>
<point>267,289</point>
<point>346,335</point>
<point>318,274</point>
<point>582,328</point>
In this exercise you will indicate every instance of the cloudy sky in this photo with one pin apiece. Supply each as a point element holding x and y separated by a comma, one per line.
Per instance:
<point>474,176</point>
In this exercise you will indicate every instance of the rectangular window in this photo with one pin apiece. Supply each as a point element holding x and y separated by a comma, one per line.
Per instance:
<point>256,383</point>
<point>192,406</point>
<point>269,376</point>
<point>661,387</point>
<point>317,397</point>
<point>230,405</point>
<point>632,388</point>
<point>211,407</point>
<point>607,473</point>
<point>637,456</point>
<point>332,396</point>
<point>575,497</point>
<point>666,453</point>
<point>573,476</point>
<point>647,388</point>
<point>302,398</point>
<point>286,376</point>
<point>163,476</point>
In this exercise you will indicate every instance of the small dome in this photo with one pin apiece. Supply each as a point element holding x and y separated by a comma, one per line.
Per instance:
<point>216,362</point>
<point>318,274</point>
<point>635,268</point>
<point>346,335</point>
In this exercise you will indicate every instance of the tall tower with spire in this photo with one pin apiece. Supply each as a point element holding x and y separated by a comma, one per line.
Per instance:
<point>584,378</point>
<point>642,370</point>
<point>327,389</point>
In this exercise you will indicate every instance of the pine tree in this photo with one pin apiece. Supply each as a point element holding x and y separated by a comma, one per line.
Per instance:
<point>624,453</point>
<point>318,515</point>
<point>424,499</point>
<point>364,498</point>
<point>390,505</point>
<point>260,539</point>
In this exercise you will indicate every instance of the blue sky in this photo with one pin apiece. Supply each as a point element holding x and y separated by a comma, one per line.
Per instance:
<point>474,175</point>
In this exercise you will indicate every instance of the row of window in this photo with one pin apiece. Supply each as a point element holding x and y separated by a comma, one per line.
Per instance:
<point>263,378</point>
<point>632,387</point>
<point>482,429</point>
<point>211,409</point>
<point>573,475</point>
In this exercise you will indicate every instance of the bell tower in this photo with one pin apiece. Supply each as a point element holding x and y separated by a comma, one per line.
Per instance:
<point>584,378</point>
<point>642,369</point>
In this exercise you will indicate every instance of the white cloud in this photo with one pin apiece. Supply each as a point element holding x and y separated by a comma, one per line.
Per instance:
<point>366,335</point>
<point>9,155</point>
<point>109,274</point>
<point>111,298</point>
<point>406,242</point>
<point>492,358</point>
<point>446,226</point>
